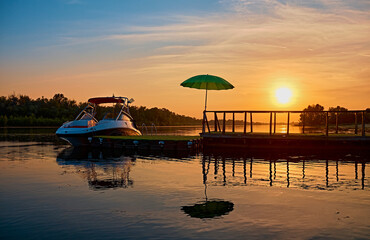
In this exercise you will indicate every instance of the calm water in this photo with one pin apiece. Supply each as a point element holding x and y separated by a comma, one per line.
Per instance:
<point>51,191</point>
<point>57,192</point>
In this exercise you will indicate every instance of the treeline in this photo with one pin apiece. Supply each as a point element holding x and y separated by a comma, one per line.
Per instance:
<point>21,110</point>
<point>161,117</point>
<point>313,118</point>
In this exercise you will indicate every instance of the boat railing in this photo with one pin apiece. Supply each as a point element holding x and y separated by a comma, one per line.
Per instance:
<point>143,126</point>
<point>325,117</point>
<point>153,127</point>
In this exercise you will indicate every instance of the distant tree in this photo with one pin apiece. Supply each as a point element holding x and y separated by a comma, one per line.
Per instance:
<point>343,116</point>
<point>312,117</point>
<point>21,110</point>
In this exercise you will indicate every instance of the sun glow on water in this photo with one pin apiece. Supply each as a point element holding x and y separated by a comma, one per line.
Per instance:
<point>283,95</point>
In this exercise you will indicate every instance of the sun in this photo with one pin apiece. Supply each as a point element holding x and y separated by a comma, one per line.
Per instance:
<point>283,95</point>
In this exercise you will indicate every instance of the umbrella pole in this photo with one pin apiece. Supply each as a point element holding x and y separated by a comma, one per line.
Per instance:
<point>205,104</point>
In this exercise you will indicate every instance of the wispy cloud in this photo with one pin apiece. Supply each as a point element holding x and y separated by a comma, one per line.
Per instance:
<point>316,45</point>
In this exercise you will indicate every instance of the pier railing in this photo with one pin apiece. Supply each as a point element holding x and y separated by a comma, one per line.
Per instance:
<point>219,122</point>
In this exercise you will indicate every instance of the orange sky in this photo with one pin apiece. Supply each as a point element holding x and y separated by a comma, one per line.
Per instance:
<point>321,52</point>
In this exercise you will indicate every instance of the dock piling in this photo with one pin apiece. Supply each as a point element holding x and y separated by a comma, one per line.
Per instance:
<point>233,129</point>
<point>287,127</point>
<point>245,123</point>
<point>363,124</point>
<point>215,114</point>
<point>327,124</point>
<point>270,123</point>
<point>251,121</point>
<point>203,123</point>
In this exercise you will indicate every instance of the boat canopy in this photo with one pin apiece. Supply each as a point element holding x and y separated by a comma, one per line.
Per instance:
<point>100,100</point>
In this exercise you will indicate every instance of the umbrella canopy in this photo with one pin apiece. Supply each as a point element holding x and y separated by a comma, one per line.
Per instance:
<point>207,82</point>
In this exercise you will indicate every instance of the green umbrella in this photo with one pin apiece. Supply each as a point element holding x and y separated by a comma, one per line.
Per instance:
<point>207,82</point>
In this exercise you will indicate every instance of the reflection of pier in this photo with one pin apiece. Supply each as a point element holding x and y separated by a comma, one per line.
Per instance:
<point>102,170</point>
<point>291,172</point>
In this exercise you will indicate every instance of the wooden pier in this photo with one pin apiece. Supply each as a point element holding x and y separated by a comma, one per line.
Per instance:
<point>215,134</point>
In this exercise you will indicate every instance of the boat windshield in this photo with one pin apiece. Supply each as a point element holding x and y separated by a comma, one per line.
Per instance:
<point>86,116</point>
<point>117,112</point>
<point>123,117</point>
<point>108,116</point>
<point>88,113</point>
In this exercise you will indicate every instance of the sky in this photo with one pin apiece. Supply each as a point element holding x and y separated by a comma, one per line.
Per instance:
<point>144,49</point>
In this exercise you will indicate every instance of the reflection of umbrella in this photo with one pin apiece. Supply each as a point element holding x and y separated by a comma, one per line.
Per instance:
<point>207,82</point>
<point>209,209</point>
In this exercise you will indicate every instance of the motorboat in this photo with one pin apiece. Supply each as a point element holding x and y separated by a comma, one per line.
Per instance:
<point>116,122</point>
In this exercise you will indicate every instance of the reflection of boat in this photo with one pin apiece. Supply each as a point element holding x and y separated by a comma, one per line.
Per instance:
<point>79,131</point>
<point>101,169</point>
<point>105,168</point>
<point>209,209</point>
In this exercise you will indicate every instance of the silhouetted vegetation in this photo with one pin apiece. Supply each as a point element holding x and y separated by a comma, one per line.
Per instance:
<point>161,117</point>
<point>21,110</point>
<point>314,117</point>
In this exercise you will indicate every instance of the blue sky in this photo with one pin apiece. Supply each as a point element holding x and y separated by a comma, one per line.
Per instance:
<point>26,24</point>
<point>145,49</point>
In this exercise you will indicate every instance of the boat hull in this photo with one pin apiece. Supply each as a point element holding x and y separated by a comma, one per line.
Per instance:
<point>85,139</point>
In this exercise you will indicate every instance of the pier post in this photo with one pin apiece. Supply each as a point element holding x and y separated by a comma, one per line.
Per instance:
<point>287,127</point>
<point>270,123</point>
<point>303,121</point>
<point>327,124</point>
<point>356,127</point>
<point>203,123</point>
<point>363,124</point>
<point>336,123</point>
<point>245,123</point>
<point>206,120</point>
<point>233,122</point>
<point>216,120</point>
<point>251,121</point>
<point>224,124</point>
<point>274,122</point>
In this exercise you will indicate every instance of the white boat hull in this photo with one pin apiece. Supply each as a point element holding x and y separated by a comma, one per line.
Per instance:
<point>83,136</point>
